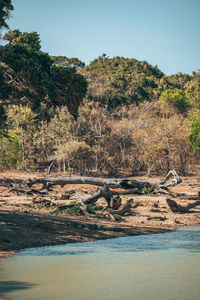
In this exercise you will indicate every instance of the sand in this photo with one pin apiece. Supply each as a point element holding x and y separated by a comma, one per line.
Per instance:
<point>24,224</point>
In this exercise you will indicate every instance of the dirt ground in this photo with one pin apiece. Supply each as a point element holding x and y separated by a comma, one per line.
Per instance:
<point>24,223</point>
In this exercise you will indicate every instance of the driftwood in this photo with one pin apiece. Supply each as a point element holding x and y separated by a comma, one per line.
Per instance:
<point>116,215</point>
<point>114,210</point>
<point>111,182</point>
<point>124,183</point>
<point>179,208</point>
<point>101,193</point>
<point>175,179</point>
<point>116,207</point>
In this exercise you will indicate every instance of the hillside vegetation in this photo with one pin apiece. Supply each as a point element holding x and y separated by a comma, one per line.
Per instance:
<point>114,115</point>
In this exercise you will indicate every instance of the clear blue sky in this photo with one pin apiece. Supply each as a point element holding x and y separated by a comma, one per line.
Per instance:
<point>165,33</point>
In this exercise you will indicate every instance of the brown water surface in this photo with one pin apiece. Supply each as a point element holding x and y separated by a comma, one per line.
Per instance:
<point>155,266</point>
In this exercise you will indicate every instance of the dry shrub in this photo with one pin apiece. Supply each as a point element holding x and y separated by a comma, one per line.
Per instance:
<point>74,156</point>
<point>165,144</point>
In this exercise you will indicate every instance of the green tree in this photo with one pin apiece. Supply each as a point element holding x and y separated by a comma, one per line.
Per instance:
<point>174,99</point>
<point>30,40</point>
<point>28,76</point>
<point>178,80</point>
<point>22,121</point>
<point>69,88</point>
<point>194,136</point>
<point>192,90</point>
<point>5,8</point>
<point>63,61</point>
<point>10,149</point>
<point>116,81</point>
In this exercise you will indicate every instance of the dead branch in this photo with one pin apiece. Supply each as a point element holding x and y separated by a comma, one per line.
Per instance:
<point>175,179</point>
<point>116,215</point>
<point>161,218</point>
<point>101,193</point>
<point>124,209</point>
<point>50,167</point>
<point>175,207</point>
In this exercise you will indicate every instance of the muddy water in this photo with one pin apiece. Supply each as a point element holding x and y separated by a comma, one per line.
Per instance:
<point>157,266</point>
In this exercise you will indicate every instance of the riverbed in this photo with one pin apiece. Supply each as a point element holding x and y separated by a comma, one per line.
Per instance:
<point>154,266</point>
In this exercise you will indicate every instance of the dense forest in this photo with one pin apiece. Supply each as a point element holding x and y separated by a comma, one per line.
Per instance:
<point>114,115</point>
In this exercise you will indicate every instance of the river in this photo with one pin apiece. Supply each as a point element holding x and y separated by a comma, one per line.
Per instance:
<point>153,267</point>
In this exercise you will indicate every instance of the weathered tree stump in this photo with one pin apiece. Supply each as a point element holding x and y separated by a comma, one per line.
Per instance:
<point>116,202</point>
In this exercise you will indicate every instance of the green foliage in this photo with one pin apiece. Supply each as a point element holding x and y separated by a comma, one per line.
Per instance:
<point>175,99</point>
<point>93,209</point>
<point>29,73</point>
<point>63,61</point>
<point>5,8</point>
<point>194,136</point>
<point>116,81</point>
<point>10,149</point>
<point>74,209</point>
<point>192,90</point>
<point>177,81</point>
<point>21,118</point>
<point>30,40</point>
<point>68,88</point>
<point>28,76</point>
<point>148,191</point>
<point>23,121</point>
<point>134,118</point>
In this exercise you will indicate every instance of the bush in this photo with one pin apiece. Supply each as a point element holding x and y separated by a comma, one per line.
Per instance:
<point>174,99</point>
<point>10,148</point>
<point>74,155</point>
<point>194,136</point>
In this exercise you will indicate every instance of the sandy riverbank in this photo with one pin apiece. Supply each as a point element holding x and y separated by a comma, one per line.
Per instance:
<point>24,225</point>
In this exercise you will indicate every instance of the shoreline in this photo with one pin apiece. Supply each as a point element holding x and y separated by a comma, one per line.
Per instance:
<point>40,230</point>
<point>26,224</point>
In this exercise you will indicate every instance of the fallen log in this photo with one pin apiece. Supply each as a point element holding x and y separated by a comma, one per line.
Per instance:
<point>175,179</point>
<point>101,193</point>
<point>111,182</point>
<point>175,207</point>
<point>123,183</point>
